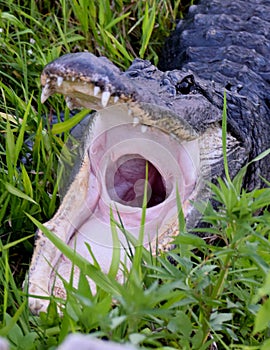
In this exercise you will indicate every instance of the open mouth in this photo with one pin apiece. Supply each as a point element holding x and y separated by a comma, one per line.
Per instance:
<point>119,151</point>
<point>125,138</point>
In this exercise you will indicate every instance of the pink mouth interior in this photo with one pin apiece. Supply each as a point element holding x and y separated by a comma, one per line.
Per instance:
<point>118,153</point>
<point>129,183</point>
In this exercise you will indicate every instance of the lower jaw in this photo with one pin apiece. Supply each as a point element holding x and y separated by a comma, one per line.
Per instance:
<point>102,247</point>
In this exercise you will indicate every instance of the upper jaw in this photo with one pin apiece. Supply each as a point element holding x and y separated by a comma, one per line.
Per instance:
<point>86,81</point>
<point>79,94</point>
<point>95,83</point>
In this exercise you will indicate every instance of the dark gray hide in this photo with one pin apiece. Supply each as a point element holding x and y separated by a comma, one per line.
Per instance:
<point>228,42</point>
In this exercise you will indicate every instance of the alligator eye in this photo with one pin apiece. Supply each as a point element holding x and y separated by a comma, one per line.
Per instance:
<point>186,85</point>
<point>129,181</point>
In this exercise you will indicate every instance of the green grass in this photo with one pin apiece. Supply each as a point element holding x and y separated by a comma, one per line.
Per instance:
<point>212,293</point>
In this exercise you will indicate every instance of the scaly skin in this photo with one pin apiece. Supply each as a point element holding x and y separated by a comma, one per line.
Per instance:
<point>215,48</point>
<point>228,42</point>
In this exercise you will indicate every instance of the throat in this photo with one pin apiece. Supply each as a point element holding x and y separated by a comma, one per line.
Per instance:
<point>126,185</point>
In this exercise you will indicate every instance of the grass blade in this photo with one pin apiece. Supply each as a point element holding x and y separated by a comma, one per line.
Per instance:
<point>114,268</point>
<point>147,27</point>
<point>103,281</point>
<point>224,138</point>
<point>16,192</point>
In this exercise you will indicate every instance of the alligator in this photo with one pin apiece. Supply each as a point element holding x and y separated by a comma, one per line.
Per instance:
<point>163,121</point>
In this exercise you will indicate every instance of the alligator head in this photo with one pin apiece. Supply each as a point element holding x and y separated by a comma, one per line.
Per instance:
<point>168,120</point>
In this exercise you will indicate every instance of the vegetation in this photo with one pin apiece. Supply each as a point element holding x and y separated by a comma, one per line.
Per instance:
<point>211,296</point>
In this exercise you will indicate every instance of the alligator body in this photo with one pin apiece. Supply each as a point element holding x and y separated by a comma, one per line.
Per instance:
<point>169,118</point>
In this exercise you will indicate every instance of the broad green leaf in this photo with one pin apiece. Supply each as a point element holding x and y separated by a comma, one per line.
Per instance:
<point>264,290</point>
<point>11,326</point>
<point>13,244</point>
<point>16,192</point>
<point>136,338</point>
<point>181,323</point>
<point>116,20</point>
<point>12,19</point>
<point>119,46</point>
<point>27,182</point>
<point>266,345</point>
<point>218,318</point>
<point>70,123</point>
<point>262,319</point>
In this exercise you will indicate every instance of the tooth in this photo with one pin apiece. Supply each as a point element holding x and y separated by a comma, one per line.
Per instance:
<point>59,81</point>
<point>73,78</point>
<point>105,98</point>
<point>144,128</point>
<point>115,99</point>
<point>69,103</point>
<point>96,90</point>
<point>173,136</point>
<point>136,121</point>
<point>113,156</point>
<point>46,93</point>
